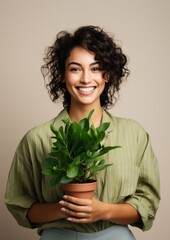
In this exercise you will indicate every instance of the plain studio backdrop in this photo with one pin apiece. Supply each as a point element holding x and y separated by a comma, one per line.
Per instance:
<point>141,27</point>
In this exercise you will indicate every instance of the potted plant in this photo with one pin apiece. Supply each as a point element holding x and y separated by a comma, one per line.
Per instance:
<point>77,153</point>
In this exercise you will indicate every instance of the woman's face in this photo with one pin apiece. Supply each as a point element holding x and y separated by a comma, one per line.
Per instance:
<point>84,77</point>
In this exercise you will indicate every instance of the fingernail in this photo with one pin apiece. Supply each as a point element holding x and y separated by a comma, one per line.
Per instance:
<point>65,196</point>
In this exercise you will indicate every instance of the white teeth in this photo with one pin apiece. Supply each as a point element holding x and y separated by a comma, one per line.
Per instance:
<point>88,89</point>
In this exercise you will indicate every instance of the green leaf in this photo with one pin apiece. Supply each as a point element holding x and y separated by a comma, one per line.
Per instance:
<point>107,149</point>
<point>72,172</point>
<point>93,131</point>
<point>76,160</point>
<point>59,134</point>
<point>99,167</point>
<point>100,137</point>
<point>66,121</point>
<point>55,179</point>
<point>103,127</point>
<point>50,161</point>
<point>48,171</point>
<point>65,179</point>
<point>90,114</point>
<point>84,124</point>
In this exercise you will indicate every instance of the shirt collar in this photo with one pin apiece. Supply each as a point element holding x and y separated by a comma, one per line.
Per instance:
<point>107,117</point>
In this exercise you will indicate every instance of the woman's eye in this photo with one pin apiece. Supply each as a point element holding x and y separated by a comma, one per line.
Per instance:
<point>96,69</point>
<point>74,69</point>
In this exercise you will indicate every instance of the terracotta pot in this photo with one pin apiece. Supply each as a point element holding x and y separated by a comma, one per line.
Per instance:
<point>80,190</point>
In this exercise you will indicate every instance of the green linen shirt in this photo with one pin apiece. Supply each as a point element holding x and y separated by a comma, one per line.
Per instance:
<point>133,178</point>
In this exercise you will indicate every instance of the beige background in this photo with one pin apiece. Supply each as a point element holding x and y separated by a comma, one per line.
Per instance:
<point>28,26</point>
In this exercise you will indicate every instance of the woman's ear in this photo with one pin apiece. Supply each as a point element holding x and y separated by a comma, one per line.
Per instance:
<point>106,77</point>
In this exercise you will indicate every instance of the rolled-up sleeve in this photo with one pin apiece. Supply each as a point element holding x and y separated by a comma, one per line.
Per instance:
<point>20,191</point>
<point>147,196</point>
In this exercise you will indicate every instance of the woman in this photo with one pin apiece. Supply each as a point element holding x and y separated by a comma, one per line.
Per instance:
<point>86,68</point>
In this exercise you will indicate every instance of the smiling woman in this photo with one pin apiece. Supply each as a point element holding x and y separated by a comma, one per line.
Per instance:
<point>103,51</point>
<point>86,68</point>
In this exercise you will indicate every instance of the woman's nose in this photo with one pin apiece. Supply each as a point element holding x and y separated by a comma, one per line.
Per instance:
<point>85,78</point>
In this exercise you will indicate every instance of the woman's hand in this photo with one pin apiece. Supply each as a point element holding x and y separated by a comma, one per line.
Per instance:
<point>92,210</point>
<point>83,210</point>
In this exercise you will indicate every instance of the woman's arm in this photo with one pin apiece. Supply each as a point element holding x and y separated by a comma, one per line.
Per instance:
<point>122,214</point>
<point>45,212</point>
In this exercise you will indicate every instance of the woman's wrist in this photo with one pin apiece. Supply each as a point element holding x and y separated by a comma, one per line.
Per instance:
<point>120,214</point>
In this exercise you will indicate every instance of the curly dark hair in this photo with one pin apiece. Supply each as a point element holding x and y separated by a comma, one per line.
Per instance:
<point>94,39</point>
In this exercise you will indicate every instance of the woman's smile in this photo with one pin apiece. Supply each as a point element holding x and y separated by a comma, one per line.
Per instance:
<point>86,90</point>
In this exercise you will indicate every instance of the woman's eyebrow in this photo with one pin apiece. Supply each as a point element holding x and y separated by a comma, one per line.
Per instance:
<point>74,63</point>
<point>78,64</point>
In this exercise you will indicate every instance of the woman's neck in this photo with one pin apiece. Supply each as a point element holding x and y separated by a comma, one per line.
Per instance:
<point>76,114</point>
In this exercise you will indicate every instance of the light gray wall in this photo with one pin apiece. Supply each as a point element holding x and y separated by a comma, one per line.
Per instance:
<point>28,26</point>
